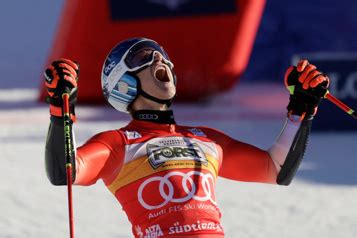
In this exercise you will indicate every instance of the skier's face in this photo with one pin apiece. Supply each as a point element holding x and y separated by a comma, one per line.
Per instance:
<point>157,79</point>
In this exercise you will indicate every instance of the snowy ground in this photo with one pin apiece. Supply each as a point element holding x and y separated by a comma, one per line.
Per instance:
<point>321,201</point>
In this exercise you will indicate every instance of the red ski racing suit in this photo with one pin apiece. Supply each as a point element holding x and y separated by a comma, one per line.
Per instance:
<point>164,175</point>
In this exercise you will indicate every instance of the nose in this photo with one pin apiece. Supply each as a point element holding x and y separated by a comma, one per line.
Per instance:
<point>158,56</point>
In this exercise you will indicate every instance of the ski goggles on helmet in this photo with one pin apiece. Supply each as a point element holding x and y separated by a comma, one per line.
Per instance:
<point>142,54</point>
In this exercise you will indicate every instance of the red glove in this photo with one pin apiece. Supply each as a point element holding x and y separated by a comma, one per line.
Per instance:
<point>61,77</point>
<point>307,87</point>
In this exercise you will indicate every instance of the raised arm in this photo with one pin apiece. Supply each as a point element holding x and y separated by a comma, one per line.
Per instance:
<point>278,164</point>
<point>307,87</point>
<point>91,161</point>
<point>60,77</point>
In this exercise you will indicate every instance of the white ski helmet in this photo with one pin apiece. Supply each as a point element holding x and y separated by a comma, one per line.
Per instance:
<point>119,84</point>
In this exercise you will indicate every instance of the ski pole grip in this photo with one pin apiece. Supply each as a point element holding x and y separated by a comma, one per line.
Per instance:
<point>65,98</point>
<point>319,91</point>
<point>322,91</point>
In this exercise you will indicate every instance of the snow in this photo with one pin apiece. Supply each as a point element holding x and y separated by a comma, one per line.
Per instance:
<point>321,201</point>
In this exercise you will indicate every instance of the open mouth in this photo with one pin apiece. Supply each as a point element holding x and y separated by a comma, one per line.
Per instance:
<point>161,74</point>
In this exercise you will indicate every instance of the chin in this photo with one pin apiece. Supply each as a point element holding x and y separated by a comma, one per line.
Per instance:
<point>169,93</point>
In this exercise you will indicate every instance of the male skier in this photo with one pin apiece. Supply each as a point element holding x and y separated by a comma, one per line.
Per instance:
<point>164,174</point>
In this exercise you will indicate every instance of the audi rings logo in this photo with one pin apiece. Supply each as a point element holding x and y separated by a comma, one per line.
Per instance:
<point>148,116</point>
<point>205,184</point>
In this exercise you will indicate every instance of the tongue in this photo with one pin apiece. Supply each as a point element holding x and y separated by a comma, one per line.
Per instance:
<point>161,75</point>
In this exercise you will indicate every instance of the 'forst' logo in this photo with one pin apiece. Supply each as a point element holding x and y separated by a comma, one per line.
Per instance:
<point>158,155</point>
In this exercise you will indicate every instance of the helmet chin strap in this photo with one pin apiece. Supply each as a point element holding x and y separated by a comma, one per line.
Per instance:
<point>168,102</point>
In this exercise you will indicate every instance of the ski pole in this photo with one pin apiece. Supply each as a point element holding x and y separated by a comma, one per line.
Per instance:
<point>341,105</point>
<point>68,156</point>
